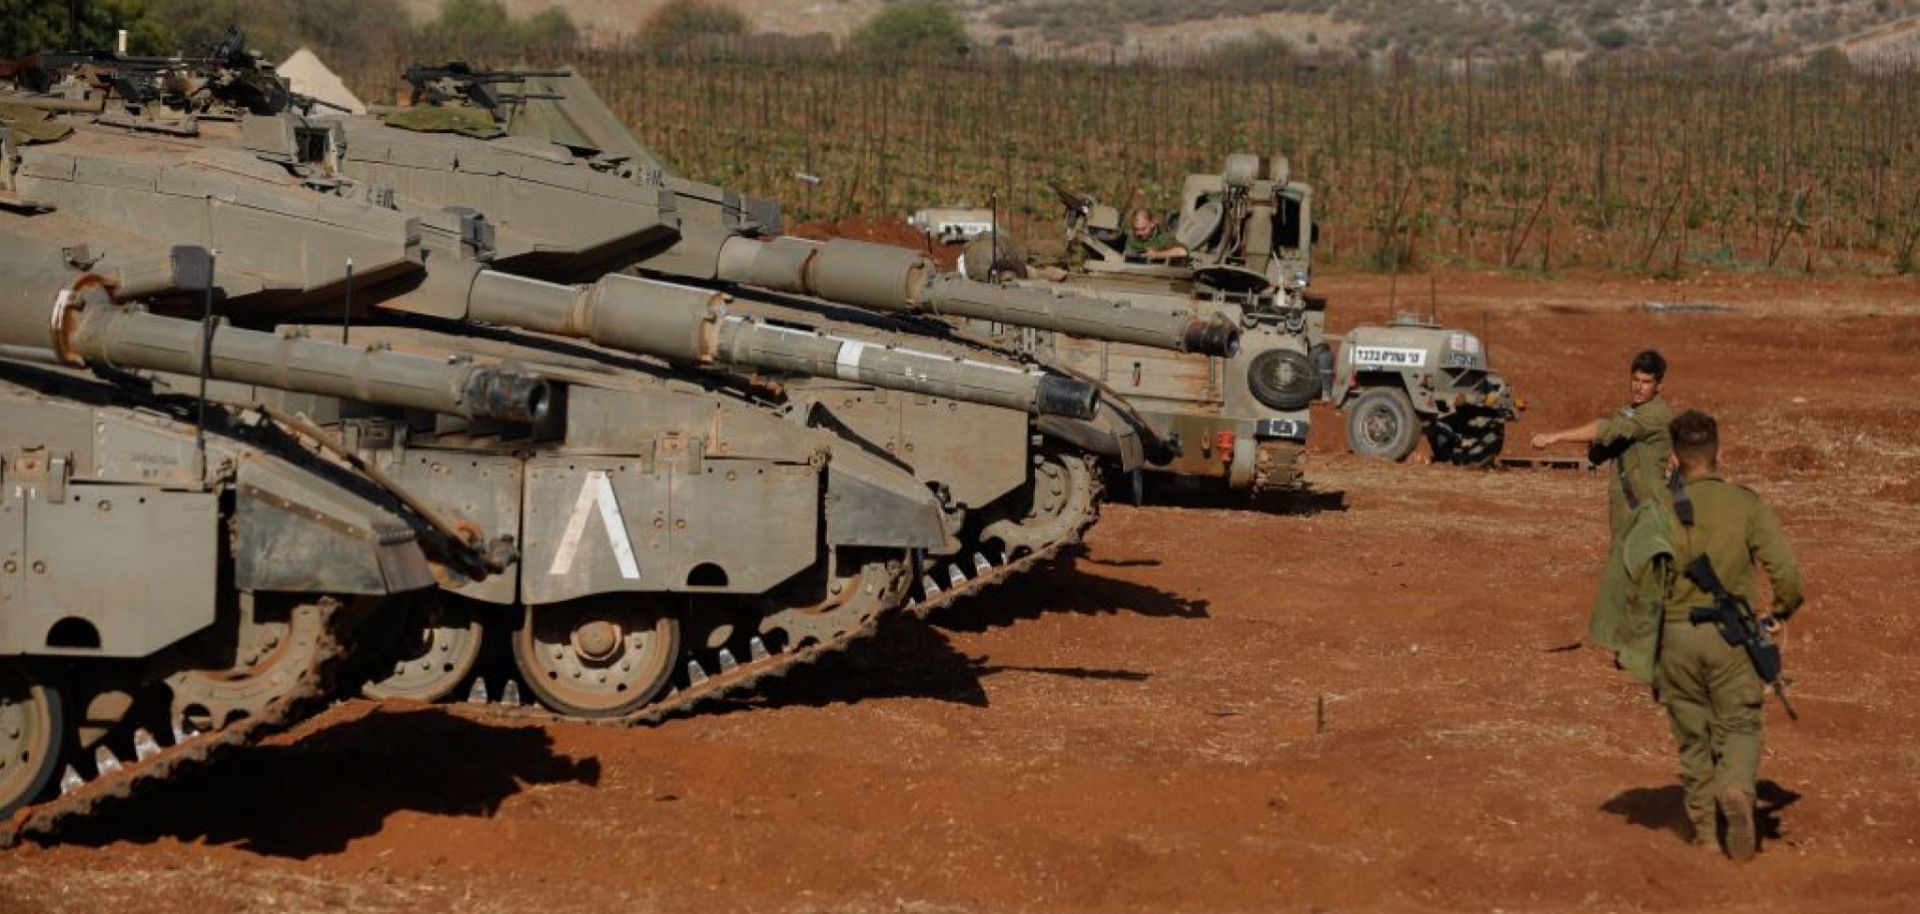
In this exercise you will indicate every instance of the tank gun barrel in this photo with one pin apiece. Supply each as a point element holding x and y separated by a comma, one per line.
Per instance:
<point>884,278</point>
<point>693,325</point>
<point>74,315</point>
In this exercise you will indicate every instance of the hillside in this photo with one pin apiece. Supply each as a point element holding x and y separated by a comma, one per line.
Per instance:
<point>1423,27</point>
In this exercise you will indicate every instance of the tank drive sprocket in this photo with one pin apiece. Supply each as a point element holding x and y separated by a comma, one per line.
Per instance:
<point>274,646</point>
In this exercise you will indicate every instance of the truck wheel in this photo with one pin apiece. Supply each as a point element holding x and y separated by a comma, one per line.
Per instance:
<point>1283,379</point>
<point>1382,424</point>
<point>1468,438</point>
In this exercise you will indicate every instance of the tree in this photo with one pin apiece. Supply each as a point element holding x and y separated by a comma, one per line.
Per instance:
<point>680,21</point>
<point>1612,38</point>
<point>914,27</point>
<point>550,28</point>
<point>41,25</point>
<point>1828,63</point>
<point>482,28</point>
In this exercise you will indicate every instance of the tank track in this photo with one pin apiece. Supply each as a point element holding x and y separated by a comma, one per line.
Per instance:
<point>188,751</point>
<point>1278,467</point>
<point>762,668</point>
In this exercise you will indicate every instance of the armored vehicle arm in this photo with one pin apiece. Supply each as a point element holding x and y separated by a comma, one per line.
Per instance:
<point>74,315</point>
<point>885,278</point>
<point>693,326</point>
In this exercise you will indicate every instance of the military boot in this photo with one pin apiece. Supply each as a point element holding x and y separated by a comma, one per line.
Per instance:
<point>1736,806</point>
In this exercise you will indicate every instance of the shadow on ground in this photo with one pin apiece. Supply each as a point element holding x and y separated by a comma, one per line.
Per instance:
<point>1065,589</point>
<point>1664,808</point>
<point>908,658</point>
<point>315,796</point>
<point>1212,495</point>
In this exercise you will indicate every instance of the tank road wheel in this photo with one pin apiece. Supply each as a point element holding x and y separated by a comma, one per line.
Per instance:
<point>437,647</point>
<point>273,648</point>
<point>813,609</point>
<point>1467,437</point>
<point>1383,424</point>
<point>1283,379</point>
<point>598,656</point>
<point>1062,494</point>
<point>30,737</point>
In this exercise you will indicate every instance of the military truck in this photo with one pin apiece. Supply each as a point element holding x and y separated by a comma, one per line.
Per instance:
<point>1412,378</point>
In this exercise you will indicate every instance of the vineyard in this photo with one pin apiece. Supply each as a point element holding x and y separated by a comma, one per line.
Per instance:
<point>1657,168</point>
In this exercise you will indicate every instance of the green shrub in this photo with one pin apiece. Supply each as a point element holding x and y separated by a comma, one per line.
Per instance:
<point>681,21</point>
<point>914,27</point>
<point>41,25</point>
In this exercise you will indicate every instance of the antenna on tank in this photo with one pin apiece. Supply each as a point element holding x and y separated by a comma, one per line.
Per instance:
<point>73,25</point>
<point>346,311</point>
<point>993,236</point>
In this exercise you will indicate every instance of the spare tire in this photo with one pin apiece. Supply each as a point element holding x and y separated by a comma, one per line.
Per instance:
<point>1283,379</point>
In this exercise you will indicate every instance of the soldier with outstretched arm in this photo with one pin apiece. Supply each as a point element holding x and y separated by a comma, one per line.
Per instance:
<point>1634,439</point>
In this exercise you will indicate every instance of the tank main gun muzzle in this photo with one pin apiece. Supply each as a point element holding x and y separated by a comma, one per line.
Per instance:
<point>884,278</point>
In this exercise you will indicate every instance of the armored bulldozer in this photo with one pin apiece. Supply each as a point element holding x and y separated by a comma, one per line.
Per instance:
<point>686,530</point>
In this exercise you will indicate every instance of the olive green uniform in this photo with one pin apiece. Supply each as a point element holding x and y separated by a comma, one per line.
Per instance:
<point>1160,240</point>
<point>1709,687</point>
<point>1636,438</point>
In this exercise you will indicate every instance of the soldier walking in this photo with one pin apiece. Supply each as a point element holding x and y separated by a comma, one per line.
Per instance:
<point>1633,439</point>
<point>1710,687</point>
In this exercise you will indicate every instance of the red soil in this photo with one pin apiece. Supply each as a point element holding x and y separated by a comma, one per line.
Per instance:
<point>1373,701</point>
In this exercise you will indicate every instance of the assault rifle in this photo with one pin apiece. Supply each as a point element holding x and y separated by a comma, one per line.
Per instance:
<point>459,81</point>
<point>1734,617</point>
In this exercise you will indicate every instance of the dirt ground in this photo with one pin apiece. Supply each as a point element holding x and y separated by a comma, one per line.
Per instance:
<point>1374,699</point>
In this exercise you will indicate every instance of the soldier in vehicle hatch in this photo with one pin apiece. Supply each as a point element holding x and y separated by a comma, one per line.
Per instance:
<point>1635,439</point>
<point>1151,241</point>
<point>1711,688</point>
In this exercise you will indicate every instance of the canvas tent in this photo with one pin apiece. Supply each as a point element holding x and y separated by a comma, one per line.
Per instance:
<point>311,77</point>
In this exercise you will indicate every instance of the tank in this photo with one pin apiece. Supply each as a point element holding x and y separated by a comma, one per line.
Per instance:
<point>684,529</point>
<point>1005,496</point>
<point>670,228</point>
<point>177,576</point>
